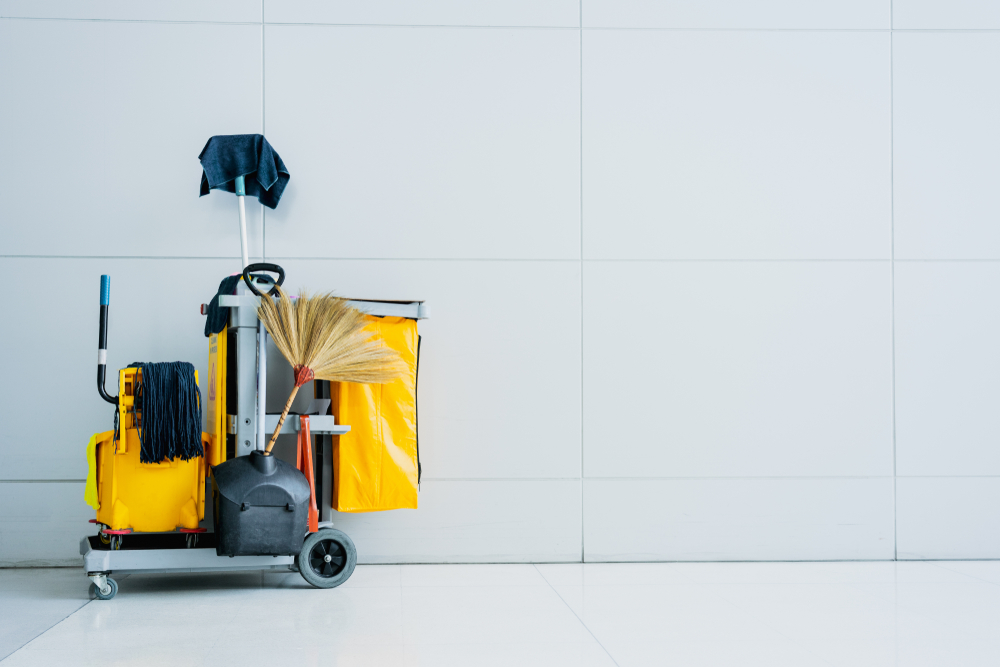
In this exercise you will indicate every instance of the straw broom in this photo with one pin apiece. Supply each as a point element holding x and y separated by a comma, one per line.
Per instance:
<point>323,338</point>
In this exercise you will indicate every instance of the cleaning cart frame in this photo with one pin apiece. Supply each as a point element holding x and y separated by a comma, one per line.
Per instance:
<point>327,557</point>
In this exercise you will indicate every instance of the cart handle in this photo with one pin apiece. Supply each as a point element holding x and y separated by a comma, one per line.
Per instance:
<point>263,266</point>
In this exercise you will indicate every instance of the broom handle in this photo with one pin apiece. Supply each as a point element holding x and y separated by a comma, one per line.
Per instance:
<point>281,421</point>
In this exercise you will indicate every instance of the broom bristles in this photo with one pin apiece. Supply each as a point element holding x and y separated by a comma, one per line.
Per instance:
<point>328,336</point>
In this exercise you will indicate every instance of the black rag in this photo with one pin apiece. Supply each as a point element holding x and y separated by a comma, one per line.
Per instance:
<point>218,316</point>
<point>227,156</point>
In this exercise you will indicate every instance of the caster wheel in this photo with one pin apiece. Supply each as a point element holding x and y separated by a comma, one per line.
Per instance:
<point>105,539</point>
<point>107,594</point>
<point>327,558</point>
<point>116,542</point>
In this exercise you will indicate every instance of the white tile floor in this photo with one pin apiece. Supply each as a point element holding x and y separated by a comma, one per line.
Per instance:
<point>856,614</point>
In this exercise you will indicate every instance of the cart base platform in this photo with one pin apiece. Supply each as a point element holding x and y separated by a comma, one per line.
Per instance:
<point>168,552</point>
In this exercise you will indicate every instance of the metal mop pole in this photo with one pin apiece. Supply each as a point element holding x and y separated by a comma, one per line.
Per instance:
<point>241,192</point>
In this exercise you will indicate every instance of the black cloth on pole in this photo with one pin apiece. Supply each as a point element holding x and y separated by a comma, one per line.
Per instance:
<point>227,156</point>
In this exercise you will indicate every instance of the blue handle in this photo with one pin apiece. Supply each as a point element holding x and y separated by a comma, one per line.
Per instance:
<point>105,290</point>
<point>241,187</point>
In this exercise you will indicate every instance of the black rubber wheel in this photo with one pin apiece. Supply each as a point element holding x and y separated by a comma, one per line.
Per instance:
<point>327,558</point>
<point>96,592</point>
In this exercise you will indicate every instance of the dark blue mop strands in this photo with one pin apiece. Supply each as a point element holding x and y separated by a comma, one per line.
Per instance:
<point>169,403</point>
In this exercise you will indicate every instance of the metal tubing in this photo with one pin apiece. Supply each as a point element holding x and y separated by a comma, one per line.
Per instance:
<point>102,340</point>
<point>240,194</point>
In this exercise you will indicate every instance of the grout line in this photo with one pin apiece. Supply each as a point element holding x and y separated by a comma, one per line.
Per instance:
<point>43,481</point>
<point>263,128</point>
<point>498,27</point>
<point>733,477</point>
<point>702,260</point>
<point>4,657</point>
<point>499,479</point>
<point>163,21</point>
<point>423,25</point>
<point>663,478</point>
<point>892,288</point>
<point>573,611</point>
<point>310,259</point>
<point>943,567</point>
<point>583,523</point>
<point>688,478</point>
<point>575,260</point>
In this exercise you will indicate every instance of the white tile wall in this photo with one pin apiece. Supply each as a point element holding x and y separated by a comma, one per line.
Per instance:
<point>945,142</point>
<point>738,519</point>
<point>736,14</point>
<point>499,361</point>
<point>667,256</point>
<point>948,14</point>
<point>736,145</point>
<point>948,517</point>
<point>474,521</point>
<point>42,522</point>
<point>698,369</point>
<point>565,13</point>
<point>947,368</point>
<point>230,11</point>
<point>429,142</point>
<point>106,121</point>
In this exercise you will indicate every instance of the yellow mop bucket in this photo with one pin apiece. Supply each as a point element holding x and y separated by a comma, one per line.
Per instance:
<point>144,497</point>
<point>130,494</point>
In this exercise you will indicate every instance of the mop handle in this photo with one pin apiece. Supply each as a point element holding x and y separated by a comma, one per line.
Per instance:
<point>102,340</point>
<point>241,191</point>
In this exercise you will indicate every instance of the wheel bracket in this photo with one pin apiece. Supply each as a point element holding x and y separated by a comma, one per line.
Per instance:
<point>100,580</point>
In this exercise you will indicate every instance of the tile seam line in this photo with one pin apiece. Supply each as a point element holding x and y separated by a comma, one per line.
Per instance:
<point>604,562</point>
<point>263,123</point>
<point>494,259</point>
<point>59,622</point>
<point>157,21</point>
<point>583,518</point>
<point>495,27</point>
<point>794,30</point>
<point>311,259</point>
<point>736,477</point>
<point>423,25</point>
<point>692,478</point>
<point>511,259</point>
<point>573,611</point>
<point>944,567</point>
<point>610,479</point>
<point>892,285</point>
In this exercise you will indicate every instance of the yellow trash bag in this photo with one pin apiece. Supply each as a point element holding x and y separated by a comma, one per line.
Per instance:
<point>375,465</point>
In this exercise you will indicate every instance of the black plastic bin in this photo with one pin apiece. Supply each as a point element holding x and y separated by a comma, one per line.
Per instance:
<point>261,507</point>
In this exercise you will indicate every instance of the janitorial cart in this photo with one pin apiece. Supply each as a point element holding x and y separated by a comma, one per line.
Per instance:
<point>174,492</point>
